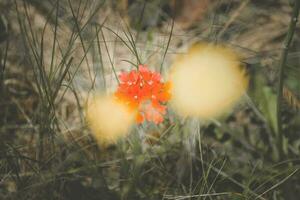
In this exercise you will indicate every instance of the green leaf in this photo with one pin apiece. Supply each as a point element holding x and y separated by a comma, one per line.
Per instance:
<point>265,99</point>
<point>268,106</point>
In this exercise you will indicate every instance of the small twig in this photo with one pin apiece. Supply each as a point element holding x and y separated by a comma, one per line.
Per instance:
<point>283,60</point>
<point>278,184</point>
<point>3,59</point>
<point>110,59</point>
<point>234,16</point>
<point>168,44</point>
<point>199,195</point>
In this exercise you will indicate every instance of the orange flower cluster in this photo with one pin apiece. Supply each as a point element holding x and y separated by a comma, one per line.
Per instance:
<point>144,91</point>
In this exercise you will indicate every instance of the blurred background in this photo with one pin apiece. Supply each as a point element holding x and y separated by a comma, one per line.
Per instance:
<point>55,53</point>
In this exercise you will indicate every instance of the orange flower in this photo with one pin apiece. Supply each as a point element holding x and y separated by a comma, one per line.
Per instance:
<point>144,90</point>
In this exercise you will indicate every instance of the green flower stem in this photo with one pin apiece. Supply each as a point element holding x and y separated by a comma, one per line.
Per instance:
<point>283,60</point>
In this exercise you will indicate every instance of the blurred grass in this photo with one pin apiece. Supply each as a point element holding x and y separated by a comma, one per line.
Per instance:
<point>61,51</point>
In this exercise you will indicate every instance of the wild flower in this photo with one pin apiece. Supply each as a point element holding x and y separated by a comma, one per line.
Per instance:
<point>108,119</point>
<point>143,90</point>
<point>207,81</point>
